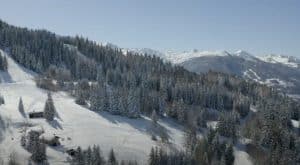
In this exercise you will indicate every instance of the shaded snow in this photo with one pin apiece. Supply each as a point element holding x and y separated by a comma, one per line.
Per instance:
<point>285,60</point>
<point>212,124</point>
<point>245,55</point>
<point>76,125</point>
<point>252,75</point>
<point>15,72</point>
<point>179,57</point>
<point>277,81</point>
<point>295,123</point>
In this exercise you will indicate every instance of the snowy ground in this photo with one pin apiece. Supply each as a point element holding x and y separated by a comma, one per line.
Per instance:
<point>129,137</point>
<point>76,125</point>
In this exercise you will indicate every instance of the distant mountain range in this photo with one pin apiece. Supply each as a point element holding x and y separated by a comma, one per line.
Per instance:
<point>282,72</point>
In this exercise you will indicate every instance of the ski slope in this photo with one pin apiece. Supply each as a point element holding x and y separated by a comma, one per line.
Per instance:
<point>128,137</point>
<point>76,125</point>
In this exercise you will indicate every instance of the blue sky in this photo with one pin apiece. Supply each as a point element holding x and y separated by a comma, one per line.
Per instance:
<point>258,26</point>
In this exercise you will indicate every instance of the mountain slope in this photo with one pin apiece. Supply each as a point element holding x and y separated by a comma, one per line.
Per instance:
<point>129,137</point>
<point>77,125</point>
<point>282,76</point>
<point>282,72</point>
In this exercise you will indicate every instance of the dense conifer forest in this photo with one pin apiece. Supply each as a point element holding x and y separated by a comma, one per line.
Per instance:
<point>104,78</point>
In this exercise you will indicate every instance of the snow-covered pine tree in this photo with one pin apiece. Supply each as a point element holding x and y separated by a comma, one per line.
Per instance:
<point>49,110</point>
<point>227,125</point>
<point>229,157</point>
<point>39,152</point>
<point>95,99</point>
<point>133,104</point>
<point>154,117</point>
<point>2,100</point>
<point>112,158</point>
<point>121,105</point>
<point>31,139</point>
<point>97,157</point>
<point>3,63</point>
<point>21,107</point>
<point>152,157</point>
<point>114,103</point>
<point>88,156</point>
<point>181,113</point>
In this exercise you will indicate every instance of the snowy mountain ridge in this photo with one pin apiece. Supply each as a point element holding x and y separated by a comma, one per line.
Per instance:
<point>281,59</point>
<point>179,57</point>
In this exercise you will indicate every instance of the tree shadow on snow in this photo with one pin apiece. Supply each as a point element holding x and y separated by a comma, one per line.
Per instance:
<point>141,124</point>
<point>55,124</point>
<point>5,77</point>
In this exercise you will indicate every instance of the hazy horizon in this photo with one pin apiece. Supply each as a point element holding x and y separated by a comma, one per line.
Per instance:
<point>259,27</point>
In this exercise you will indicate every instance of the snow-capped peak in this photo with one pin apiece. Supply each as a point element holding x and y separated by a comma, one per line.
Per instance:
<point>144,51</point>
<point>245,55</point>
<point>179,57</point>
<point>281,59</point>
<point>108,44</point>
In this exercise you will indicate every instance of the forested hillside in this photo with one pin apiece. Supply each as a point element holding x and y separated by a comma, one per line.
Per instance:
<point>102,78</point>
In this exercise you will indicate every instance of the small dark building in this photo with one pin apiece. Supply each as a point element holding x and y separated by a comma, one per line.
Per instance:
<point>36,115</point>
<point>51,140</point>
<point>71,152</point>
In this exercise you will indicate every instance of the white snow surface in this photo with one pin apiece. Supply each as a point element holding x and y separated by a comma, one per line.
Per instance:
<point>295,123</point>
<point>281,59</point>
<point>177,58</point>
<point>174,56</point>
<point>128,137</point>
<point>212,124</point>
<point>245,55</point>
<point>252,75</point>
<point>278,82</point>
<point>76,125</point>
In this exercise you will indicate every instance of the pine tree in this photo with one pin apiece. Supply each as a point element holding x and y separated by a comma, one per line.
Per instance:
<point>88,156</point>
<point>114,103</point>
<point>190,139</point>
<point>154,118</point>
<point>97,157</point>
<point>4,63</point>
<point>39,152</point>
<point>152,157</point>
<point>133,104</point>
<point>2,100</point>
<point>227,125</point>
<point>95,99</point>
<point>21,107</point>
<point>112,158</point>
<point>49,110</point>
<point>79,157</point>
<point>35,147</point>
<point>229,157</point>
<point>121,105</point>
<point>181,113</point>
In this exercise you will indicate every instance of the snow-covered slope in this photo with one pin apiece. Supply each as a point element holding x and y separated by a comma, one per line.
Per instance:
<point>245,55</point>
<point>147,51</point>
<point>180,57</point>
<point>281,59</point>
<point>15,72</point>
<point>282,72</point>
<point>177,58</point>
<point>76,125</point>
<point>129,137</point>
